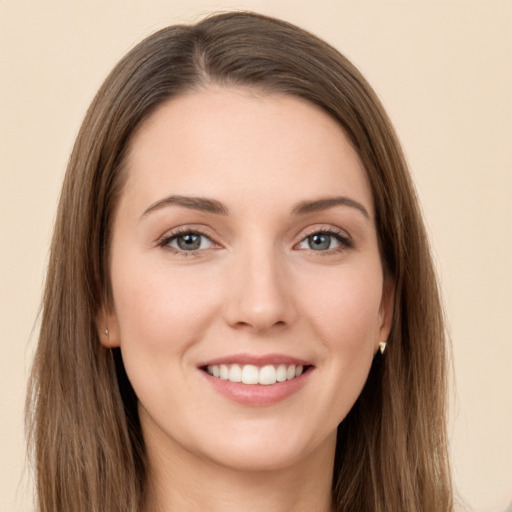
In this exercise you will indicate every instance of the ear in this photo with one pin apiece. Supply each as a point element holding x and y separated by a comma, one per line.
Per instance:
<point>108,328</point>
<point>386,309</point>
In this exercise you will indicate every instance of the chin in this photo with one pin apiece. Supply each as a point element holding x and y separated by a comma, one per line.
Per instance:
<point>263,453</point>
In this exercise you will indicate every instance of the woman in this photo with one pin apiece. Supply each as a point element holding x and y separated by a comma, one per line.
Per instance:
<point>240,310</point>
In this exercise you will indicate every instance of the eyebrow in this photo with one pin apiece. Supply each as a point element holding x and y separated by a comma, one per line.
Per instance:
<point>212,206</point>
<point>194,203</point>
<point>325,203</point>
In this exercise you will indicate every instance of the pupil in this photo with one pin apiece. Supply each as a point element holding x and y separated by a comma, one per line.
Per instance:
<point>319,242</point>
<point>189,242</point>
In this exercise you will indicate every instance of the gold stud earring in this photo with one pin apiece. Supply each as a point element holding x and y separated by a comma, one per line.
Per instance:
<point>382,346</point>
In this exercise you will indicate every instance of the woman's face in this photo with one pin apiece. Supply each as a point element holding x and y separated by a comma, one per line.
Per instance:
<point>244,246</point>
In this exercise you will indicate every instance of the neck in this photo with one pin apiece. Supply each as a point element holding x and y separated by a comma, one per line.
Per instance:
<point>181,481</point>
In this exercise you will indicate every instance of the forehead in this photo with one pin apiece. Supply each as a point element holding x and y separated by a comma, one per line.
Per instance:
<point>236,143</point>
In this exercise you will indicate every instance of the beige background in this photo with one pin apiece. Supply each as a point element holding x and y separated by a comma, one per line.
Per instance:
<point>444,71</point>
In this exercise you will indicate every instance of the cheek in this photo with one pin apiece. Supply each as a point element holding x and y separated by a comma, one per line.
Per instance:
<point>160,311</point>
<point>346,310</point>
<point>160,315</point>
<point>345,316</point>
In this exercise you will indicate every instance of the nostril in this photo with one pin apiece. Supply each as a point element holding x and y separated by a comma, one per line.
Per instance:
<point>259,326</point>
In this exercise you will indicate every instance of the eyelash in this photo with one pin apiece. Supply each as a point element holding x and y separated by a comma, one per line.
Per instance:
<point>165,242</point>
<point>340,236</point>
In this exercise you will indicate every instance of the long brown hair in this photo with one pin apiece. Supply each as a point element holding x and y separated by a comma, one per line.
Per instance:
<point>82,420</point>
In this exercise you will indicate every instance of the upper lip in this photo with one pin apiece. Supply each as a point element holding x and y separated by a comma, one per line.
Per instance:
<point>256,360</point>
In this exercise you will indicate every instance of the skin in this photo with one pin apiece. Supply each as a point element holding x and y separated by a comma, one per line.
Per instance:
<point>256,286</point>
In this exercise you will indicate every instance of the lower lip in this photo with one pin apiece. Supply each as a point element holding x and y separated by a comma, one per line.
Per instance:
<point>258,394</point>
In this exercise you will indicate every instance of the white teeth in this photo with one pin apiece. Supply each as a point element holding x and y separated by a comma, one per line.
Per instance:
<point>251,374</point>
<point>267,375</point>
<point>281,373</point>
<point>235,373</point>
<point>224,372</point>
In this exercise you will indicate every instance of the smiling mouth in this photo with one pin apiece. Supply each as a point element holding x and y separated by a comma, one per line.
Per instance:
<point>253,375</point>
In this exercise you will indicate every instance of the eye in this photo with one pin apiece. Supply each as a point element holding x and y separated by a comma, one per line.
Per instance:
<point>187,241</point>
<point>325,241</point>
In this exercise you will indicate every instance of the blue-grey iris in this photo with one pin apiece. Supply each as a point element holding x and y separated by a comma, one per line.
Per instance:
<point>189,241</point>
<point>319,241</point>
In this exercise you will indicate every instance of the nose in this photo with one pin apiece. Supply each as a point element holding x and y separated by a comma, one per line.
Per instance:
<point>260,296</point>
